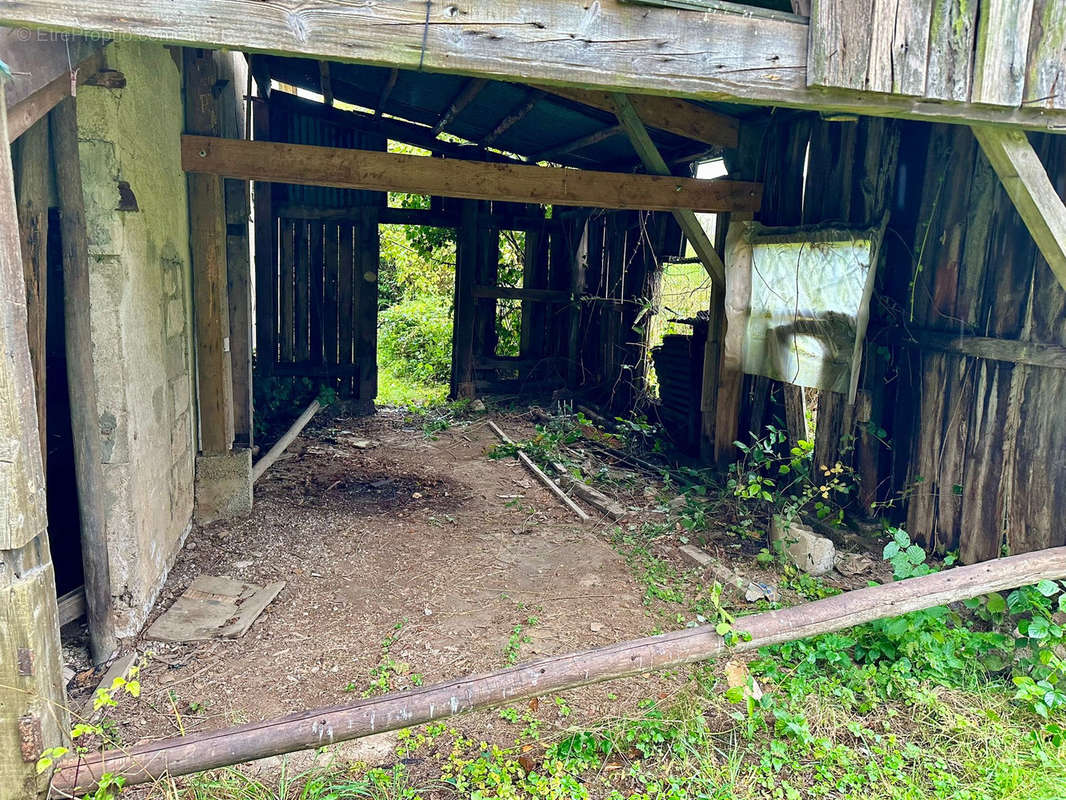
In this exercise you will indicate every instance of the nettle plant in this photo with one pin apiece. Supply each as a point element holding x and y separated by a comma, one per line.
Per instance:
<point>770,477</point>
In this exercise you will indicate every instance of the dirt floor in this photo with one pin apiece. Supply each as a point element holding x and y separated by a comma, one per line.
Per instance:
<point>380,532</point>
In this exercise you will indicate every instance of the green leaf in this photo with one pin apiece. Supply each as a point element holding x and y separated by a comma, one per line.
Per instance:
<point>1047,588</point>
<point>915,554</point>
<point>996,604</point>
<point>891,550</point>
<point>722,628</point>
<point>1038,628</point>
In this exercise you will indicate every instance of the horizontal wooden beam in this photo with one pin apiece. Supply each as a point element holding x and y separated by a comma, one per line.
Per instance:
<point>721,54</point>
<point>1030,189</point>
<point>670,114</point>
<point>376,171</point>
<point>1012,351</point>
<point>514,293</point>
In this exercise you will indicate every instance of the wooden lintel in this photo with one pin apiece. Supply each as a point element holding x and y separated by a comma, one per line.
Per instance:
<point>375,171</point>
<point>717,55</point>
<point>1030,189</point>
<point>653,161</point>
<point>386,91</point>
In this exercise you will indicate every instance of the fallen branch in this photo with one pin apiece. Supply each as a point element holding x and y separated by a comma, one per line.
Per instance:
<point>263,464</point>
<point>553,487</point>
<point>312,729</point>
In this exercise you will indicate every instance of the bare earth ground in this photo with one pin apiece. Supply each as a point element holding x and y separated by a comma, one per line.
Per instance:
<point>430,535</point>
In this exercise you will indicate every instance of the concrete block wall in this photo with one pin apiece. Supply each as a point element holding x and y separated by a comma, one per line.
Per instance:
<point>140,296</point>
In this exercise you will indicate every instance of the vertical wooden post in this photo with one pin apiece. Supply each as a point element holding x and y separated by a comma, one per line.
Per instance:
<point>32,700</point>
<point>85,425</point>
<point>578,264</point>
<point>207,215</point>
<point>31,188</point>
<point>369,255</point>
<point>463,320</point>
<point>266,255</point>
<point>737,299</point>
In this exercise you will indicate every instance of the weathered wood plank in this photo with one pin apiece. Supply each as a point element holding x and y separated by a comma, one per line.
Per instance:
<point>346,267</point>
<point>1045,82</point>
<point>266,256</point>
<point>1029,188</point>
<point>951,50</point>
<point>1011,351</point>
<point>207,236</point>
<point>368,245</point>
<point>840,40</point>
<point>28,612</point>
<point>286,292</point>
<point>32,176</point>
<point>301,304</point>
<point>669,114</point>
<point>737,306</point>
<point>365,169</point>
<point>27,111</point>
<point>462,383</point>
<point>609,45</point>
<point>1002,52</point>
<point>899,46</point>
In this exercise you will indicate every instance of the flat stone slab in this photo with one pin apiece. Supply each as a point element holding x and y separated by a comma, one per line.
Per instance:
<point>213,608</point>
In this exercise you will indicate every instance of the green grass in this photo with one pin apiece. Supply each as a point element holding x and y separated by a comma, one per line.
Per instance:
<point>397,390</point>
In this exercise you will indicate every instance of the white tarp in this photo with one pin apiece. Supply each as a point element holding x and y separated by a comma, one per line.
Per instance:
<point>810,298</point>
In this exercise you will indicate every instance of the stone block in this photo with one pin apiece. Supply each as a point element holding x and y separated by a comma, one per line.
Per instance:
<point>223,485</point>
<point>804,548</point>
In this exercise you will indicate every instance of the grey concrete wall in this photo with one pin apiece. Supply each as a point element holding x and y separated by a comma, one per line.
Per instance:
<point>140,296</point>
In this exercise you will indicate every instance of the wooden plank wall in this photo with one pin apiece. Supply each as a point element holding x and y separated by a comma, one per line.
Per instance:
<point>985,467</point>
<point>971,456</point>
<point>1000,52</point>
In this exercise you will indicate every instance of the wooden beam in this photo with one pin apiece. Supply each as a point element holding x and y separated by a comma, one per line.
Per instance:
<point>84,419</point>
<point>33,711</point>
<point>37,59</point>
<point>324,82</point>
<point>363,169</point>
<point>1030,189</point>
<point>465,97</point>
<point>654,163</point>
<point>512,119</point>
<point>34,107</point>
<point>736,307</point>
<point>386,91</point>
<point>579,143</point>
<point>512,293</point>
<point>207,235</point>
<point>1010,351</point>
<point>669,114</point>
<point>718,55</point>
<point>34,166</point>
<point>308,730</point>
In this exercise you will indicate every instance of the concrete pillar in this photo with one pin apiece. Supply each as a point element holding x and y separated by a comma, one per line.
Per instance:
<point>32,702</point>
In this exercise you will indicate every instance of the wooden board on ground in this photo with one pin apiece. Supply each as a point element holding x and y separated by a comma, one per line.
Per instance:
<point>214,608</point>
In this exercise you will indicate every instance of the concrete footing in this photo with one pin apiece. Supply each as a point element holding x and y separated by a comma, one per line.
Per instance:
<point>223,485</point>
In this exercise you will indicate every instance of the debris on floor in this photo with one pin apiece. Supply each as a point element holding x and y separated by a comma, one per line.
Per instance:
<point>213,608</point>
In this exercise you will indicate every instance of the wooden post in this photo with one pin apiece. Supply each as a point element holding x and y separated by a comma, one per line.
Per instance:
<point>207,215</point>
<point>737,299</point>
<point>32,700</point>
<point>368,246</point>
<point>31,189</point>
<point>266,249</point>
<point>313,729</point>
<point>84,420</point>
<point>463,320</point>
<point>578,264</point>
